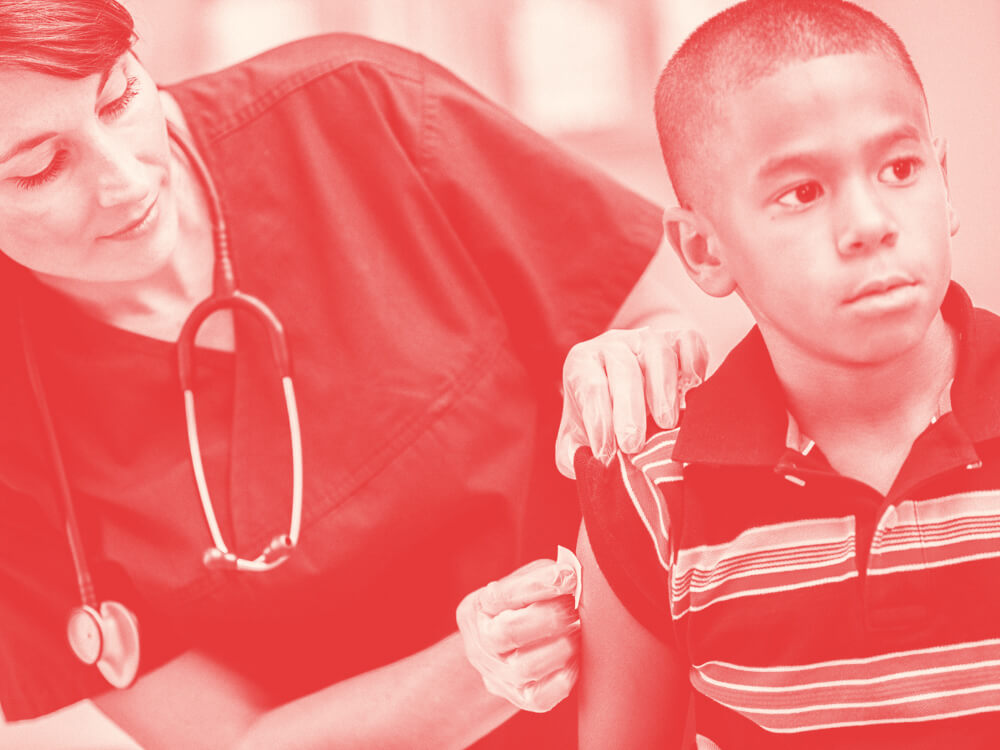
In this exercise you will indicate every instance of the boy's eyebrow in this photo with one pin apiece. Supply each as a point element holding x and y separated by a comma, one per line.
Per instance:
<point>806,159</point>
<point>36,140</point>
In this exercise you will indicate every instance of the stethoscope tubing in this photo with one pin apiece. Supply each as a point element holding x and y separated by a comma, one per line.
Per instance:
<point>85,582</point>
<point>226,296</point>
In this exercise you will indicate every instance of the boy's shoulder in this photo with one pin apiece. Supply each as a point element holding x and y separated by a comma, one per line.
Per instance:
<point>737,417</point>
<point>626,504</point>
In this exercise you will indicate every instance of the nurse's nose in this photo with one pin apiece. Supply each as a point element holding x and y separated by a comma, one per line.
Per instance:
<point>865,221</point>
<point>121,177</point>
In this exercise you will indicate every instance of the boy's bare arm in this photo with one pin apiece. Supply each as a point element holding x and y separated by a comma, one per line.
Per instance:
<point>633,689</point>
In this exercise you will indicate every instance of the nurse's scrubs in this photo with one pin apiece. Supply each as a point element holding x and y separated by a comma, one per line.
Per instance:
<point>432,261</point>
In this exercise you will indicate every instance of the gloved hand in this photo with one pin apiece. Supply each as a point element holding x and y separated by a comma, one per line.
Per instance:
<point>522,634</point>
<point>610,381</point>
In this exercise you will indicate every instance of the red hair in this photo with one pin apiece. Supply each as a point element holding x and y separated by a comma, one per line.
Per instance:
<point>66,38</point>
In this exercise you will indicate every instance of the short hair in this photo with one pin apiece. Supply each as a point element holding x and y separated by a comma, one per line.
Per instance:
<point>66,38</point>
<point>742,45</point>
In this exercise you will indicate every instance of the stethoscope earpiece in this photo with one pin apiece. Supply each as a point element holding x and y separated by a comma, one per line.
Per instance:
<point>215,559</point>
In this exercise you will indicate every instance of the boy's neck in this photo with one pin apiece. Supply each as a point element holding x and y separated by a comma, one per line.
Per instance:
<point>865,419</point>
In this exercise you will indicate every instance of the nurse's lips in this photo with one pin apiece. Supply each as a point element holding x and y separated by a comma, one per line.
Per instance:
<point>136,226</point>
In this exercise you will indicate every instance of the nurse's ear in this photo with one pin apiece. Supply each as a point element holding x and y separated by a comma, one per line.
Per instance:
<point>697,245</point>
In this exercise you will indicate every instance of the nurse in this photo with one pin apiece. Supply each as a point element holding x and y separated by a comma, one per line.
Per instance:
<point>430,261</point>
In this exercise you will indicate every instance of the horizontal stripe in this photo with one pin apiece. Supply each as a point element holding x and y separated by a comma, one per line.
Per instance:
<point>669,478</point>
<point>939,531</point>
<point>961,504</point>
<point>681,606</point>
<point>782,539</point>
<point>887,663</point>
<point>939,534</point>
<point>927,708</point>
<point>917,685</point>
<point>927,564</point>
<point>953,713</point>
<point>768,562</point>
<point>658,446</point>
<point>658,464</point>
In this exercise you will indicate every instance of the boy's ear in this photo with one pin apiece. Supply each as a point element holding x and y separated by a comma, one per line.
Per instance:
<point>941,152</point>
<point>696,244</point>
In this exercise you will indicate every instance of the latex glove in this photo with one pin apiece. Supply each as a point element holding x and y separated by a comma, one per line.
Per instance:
<point>521,633</point>
<point>610,381</point>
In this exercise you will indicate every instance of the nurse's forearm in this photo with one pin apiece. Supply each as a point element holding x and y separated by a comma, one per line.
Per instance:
<point>433,698</point>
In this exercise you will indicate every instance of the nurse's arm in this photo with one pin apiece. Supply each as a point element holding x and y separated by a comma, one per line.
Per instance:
<point>651,302</point>
<point>650,355</point>
<point>433,698</point>
<point>632,688</point>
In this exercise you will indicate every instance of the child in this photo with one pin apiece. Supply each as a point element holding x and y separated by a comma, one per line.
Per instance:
<point>809,560</point>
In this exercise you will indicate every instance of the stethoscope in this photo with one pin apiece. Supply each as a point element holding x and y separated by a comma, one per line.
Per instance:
<point>106,634</point>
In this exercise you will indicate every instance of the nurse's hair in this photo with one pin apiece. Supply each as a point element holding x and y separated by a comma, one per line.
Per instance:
<point>737,48</point>
<point>66,38</point>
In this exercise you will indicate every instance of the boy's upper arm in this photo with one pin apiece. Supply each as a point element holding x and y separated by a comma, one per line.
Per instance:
<point>633,689</point>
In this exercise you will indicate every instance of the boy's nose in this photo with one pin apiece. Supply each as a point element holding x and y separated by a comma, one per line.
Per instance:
<point>866,223</point>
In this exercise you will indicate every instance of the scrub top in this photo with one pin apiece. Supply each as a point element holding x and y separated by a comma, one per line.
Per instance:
<point>432,260</point>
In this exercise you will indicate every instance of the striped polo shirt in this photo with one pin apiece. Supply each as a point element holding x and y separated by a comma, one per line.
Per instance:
<point>812,611</point>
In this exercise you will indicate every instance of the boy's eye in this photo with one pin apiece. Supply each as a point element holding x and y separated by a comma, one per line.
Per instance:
<point>802,195</point>
<point>899,170</point>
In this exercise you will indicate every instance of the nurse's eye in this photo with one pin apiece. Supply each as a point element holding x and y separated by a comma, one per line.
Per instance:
<point>119,105</point>
<point>49,173</point>
<point>900,171</point>
<point>801,195</point>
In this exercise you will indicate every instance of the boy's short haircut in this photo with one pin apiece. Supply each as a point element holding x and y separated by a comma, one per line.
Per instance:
<point>737,48</point>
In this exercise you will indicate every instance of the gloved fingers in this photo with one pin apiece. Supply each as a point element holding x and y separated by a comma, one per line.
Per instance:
<point>659,363</point>
<point>518,628</point>
<point>538,581</point>
<point>585,387</point>
<point>571,436</point>
<point>532,663</point>
<point>625,384</point>
<point>550,691</point>
<point>692,356</point>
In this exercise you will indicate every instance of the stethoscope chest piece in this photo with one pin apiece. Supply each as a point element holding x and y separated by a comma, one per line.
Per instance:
<point>108,638</point>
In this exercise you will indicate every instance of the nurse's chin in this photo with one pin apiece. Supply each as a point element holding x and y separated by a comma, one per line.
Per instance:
<point>144,257</point>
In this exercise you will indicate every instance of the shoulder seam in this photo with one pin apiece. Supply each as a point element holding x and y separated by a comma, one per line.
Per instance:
<point>304,77</point>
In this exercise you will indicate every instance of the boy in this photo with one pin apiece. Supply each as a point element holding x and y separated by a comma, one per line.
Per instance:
<point>825,525</point>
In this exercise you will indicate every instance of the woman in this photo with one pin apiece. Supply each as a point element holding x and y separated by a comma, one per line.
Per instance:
<point>430,260</point>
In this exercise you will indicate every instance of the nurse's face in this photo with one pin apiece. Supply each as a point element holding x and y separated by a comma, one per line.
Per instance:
<point>85,190</point>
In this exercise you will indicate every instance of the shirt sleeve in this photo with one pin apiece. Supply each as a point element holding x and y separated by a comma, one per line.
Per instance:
<point>560,243</point>
<point>626,539</point>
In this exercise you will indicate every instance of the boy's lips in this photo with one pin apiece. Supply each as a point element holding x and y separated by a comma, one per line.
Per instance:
<point>878,286</point>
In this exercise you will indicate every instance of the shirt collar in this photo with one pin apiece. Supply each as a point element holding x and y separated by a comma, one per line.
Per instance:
<point>739,416</point>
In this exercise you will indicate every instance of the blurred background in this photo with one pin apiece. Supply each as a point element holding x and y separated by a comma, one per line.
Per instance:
<point>582,72</point>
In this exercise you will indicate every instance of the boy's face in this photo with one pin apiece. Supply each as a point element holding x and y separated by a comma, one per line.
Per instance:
<point>830,208</point>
